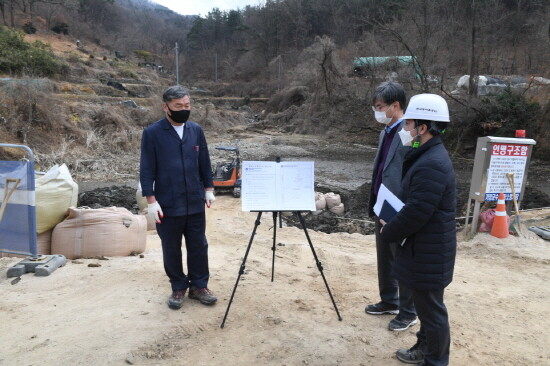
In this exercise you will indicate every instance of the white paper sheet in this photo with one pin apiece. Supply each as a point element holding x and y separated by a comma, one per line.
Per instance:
<point>272,186</point>
<point>384,194</point>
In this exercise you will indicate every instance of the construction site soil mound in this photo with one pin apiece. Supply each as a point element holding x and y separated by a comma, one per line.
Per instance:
<point>115,195</point>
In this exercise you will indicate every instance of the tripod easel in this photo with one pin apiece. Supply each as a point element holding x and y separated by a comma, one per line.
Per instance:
<point>242,268</point>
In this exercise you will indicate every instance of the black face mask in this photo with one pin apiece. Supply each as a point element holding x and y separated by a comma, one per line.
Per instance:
<point>179,116</point>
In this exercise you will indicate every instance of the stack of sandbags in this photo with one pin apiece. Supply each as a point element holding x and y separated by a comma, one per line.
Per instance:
<point>332,199</point>
<point>320,203</point>
<point>142,205</point>
<point>334,203</point>
<point>55,193</point>
<point>110,231</point>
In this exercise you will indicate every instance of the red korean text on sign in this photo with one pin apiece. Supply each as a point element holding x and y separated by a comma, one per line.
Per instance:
<point>510,150</point>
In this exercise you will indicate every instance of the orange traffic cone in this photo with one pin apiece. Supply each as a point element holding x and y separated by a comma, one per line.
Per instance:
<point>500,223</point>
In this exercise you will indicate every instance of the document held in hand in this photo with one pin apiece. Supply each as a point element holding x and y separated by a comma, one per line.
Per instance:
<point>283,186</point>
<point>387,204</point>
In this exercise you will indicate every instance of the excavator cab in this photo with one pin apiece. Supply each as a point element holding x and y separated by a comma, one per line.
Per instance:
<point>227,175</point>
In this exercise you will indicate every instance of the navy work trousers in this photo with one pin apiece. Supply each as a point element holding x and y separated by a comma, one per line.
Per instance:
<point>390,291</point>
<point>171,231</point>
<point>434,333</point>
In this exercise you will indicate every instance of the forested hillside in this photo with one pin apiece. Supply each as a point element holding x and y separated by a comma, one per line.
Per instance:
<point>445,36</point>
<point>303,54</point>
<point>118,25</point>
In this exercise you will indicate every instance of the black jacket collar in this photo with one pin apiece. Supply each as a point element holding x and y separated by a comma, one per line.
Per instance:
<point>413,154</point>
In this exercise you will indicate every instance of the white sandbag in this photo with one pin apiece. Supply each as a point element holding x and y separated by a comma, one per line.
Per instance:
<point>464,81</point>
<point>332,199</point>
<point>44,243</point>
<point>141,201</point>
<point>320,201</point>
<point>55,193</point>
<point>338,209</point>
<point>110,231</point>
<point>151,224</point>
<point>43,246</point>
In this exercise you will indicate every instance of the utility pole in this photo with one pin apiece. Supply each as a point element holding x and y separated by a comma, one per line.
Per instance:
<point>472,85</point>
<point>280,71</point>
<point>216,66</point>
<point>177,65</point>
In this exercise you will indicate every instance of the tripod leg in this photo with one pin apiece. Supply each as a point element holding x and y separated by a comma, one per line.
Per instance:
<point>319,265</point>
<point>241,269</point>
<point>274,244</point>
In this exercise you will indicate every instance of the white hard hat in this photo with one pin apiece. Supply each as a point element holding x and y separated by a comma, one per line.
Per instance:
<point>431,107</point>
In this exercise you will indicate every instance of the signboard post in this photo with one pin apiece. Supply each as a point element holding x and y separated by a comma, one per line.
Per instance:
<point>276,187</point>
<point>495,157</point>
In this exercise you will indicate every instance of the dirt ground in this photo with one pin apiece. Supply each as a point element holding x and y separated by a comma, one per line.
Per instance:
<point>116,314</point>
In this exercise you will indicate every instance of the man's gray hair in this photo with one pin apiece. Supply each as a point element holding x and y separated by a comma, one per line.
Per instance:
<point>174,92</point>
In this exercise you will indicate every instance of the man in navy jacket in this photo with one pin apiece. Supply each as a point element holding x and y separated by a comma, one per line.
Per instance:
<point>176,179</point>
<point>425,227</point>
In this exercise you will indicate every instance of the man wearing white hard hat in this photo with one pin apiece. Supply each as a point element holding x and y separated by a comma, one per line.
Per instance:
<point>426,227</point>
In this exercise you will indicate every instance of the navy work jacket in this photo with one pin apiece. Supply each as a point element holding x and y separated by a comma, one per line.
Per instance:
<point>426,260</point>
<point>176,171</point>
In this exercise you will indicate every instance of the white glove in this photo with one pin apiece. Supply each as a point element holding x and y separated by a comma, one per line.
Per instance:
<point>154,210</point>
<point>209,198</point>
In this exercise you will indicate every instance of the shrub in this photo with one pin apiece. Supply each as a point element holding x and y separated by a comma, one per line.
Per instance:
<point>128,73</point>
<point>18,56</point>
<point>499,115</point>
<point>61,28</point>
<point>73,57</point>
<point>511,111</point>
<point>146,56</point>
<point>29,28</point>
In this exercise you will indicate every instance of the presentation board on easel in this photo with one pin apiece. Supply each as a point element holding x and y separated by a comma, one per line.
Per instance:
<point>278,186</point>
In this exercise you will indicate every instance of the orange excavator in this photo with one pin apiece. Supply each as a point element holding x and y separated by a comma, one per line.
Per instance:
<point>227,175</point>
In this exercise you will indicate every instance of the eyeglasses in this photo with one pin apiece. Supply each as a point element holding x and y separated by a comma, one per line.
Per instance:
<point>379,108</point>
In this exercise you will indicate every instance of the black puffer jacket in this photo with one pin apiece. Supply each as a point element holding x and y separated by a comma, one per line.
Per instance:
<point>427,258</point>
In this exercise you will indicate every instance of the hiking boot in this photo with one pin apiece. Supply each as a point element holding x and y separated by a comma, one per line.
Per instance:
<point>204,295</point>
<point>414,355</point>
<point>382,308</point>
<point>398,325</point>
<point>176,299</point>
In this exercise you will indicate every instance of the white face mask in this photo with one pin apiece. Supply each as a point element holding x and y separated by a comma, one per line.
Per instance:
<point>381,117</point>
<point>406,137</point>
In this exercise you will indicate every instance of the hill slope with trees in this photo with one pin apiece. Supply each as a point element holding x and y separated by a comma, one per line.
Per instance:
<point>298,53</point>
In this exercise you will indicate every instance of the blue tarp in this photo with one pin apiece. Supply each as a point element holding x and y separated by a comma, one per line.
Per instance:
<point>375,61</point>
<point>18,222</point>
